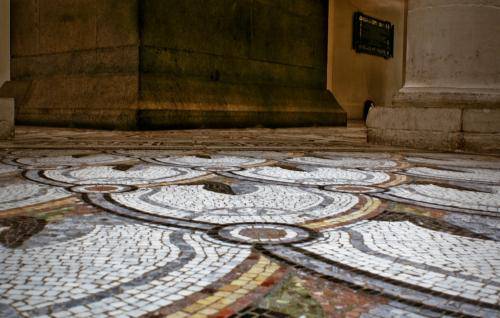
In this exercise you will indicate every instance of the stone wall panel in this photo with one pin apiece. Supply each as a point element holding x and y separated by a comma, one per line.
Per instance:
<point>224,62</point>
<point>276,33</point>
<point>117,23</point>
<point>67,25</point>
<point>24,27</point>
<point>425,119</point>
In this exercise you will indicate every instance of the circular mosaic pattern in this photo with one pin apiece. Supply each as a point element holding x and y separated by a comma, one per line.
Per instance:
<point>318,176</point>
<point>448,197</point>
<point>346,162</point>
<point>121,175</point>
<point>214,162</point>
<point>264,233</point>
<point>259,203</point>
<point>459,174</point>
<point>102,188</point>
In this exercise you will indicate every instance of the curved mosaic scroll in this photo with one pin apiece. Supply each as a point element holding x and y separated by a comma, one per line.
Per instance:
<point>448,273</point>
<point>126,175</point>
<point>114,268</point>
<point>26,193</point>
<point>457,174</point>
<point>447,198</point>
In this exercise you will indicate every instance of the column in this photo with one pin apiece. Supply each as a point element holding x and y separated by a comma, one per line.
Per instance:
<point>451,96</point>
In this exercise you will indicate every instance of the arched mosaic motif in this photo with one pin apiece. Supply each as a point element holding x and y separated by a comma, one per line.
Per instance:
<point>139,174</point>
<point>110,266</point>
<point>316,176</point>
<point>447,197</point>
<point>258,203</point>
<point>421,262</point>
<point>69,160</point>
<point>23,194</point>
<point>345,161</point>
<point>453,161</point>
<point>457,174</point>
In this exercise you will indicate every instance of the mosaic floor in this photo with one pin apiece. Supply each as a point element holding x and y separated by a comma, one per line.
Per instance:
<point>145,232</point>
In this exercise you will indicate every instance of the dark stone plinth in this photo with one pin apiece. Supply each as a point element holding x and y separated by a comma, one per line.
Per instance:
<point>153,64</point>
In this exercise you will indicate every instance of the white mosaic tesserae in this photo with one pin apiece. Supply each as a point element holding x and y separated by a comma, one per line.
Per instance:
<point>252,234</point>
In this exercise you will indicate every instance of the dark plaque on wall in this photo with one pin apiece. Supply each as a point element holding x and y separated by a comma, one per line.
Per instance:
<point>373,36</point>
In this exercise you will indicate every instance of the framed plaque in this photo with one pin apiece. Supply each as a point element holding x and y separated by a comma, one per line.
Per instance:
<point>373,36</point>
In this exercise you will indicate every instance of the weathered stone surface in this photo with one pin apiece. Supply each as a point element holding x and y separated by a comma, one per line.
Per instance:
<point>485,142</point>
<point>439,140</point>
<point>229,105</point>
<point>160,64</point>
<point>67,25</point>
<point>447,97</point>
<point>107,101</point>
<point>425,119</point>
<point>436,128</point>
<point>117,23</point>
<point>24,27</point>
<point>453,44</point>
<point>212,26</point>
<point>481,120</point>
<point>226,69</point>
<point>272,27</point>
<point>6,118</point>
<point>99,61</point>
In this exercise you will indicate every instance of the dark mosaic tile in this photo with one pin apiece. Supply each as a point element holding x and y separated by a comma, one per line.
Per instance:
<point>253,312</point>
<point>19,229</point>
<point>218,187</point>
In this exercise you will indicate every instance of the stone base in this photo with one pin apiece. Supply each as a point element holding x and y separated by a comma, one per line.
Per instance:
<point>444,129</point>
<point>6,118</point>
<point>160,102</point>
<point>425,97</point>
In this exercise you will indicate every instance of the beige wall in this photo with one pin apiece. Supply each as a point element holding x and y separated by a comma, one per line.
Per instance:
<point>4,41</point>
<point>355,77</point>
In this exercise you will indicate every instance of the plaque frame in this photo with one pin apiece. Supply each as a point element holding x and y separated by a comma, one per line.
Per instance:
<point>373,36</point>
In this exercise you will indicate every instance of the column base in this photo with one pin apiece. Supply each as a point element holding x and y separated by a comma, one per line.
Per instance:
<point>426,97</point>
<point>443,129</point>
